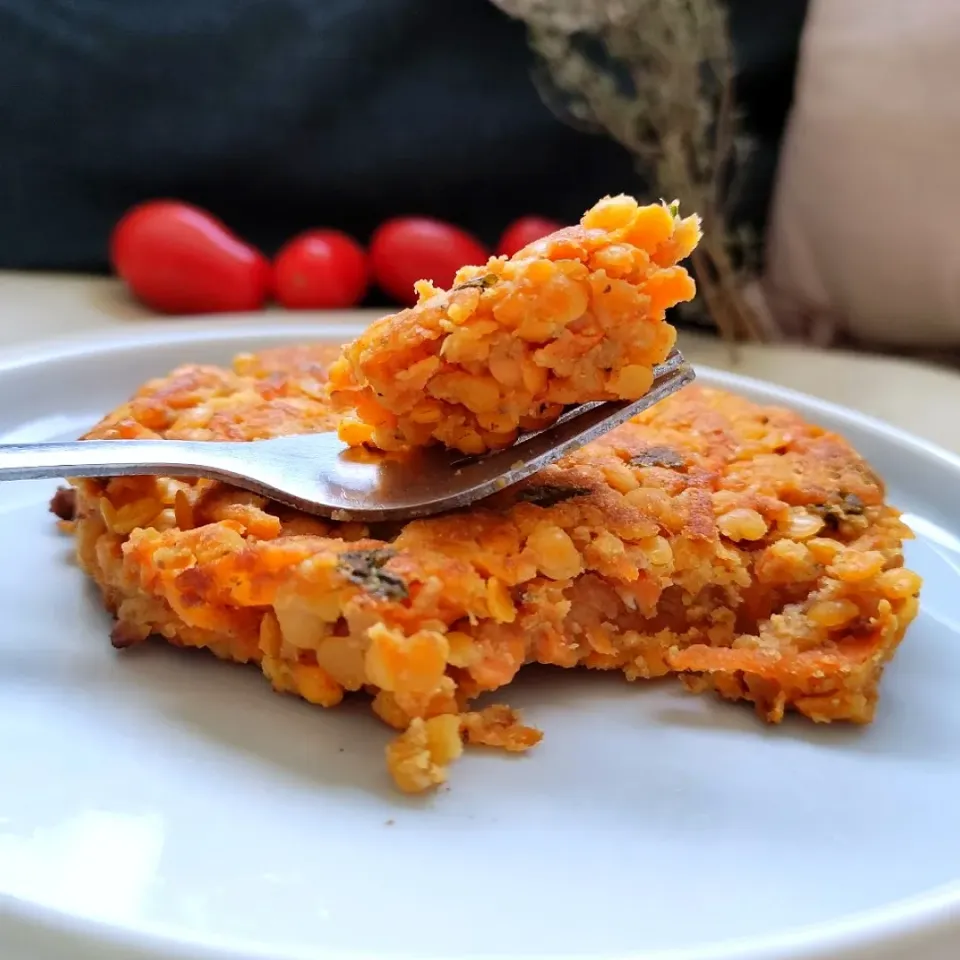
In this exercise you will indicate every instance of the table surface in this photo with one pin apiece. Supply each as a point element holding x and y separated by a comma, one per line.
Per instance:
<point>912,395</point>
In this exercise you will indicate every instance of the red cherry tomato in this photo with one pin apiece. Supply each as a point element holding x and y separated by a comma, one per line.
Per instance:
<point>523,231</point>
<point>320,270</point>
<point>408,249</point>
<point>177,258</point>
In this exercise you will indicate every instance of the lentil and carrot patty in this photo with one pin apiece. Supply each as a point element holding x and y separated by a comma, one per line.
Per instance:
<point>734,545</point>
<point>578,316</point>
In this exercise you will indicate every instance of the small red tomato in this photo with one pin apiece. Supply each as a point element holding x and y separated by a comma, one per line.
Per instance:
<point>523,231</point>
<point>320,270</point>
<point>408,249</point>
<point>177,258</point>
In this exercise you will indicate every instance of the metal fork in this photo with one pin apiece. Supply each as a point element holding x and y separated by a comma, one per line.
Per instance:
<point>318,474</point>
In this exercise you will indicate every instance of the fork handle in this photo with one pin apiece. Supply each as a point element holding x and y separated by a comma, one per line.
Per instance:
<point>113,458</point>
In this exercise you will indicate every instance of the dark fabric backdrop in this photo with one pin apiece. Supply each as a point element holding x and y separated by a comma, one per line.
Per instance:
<point>279,115</point>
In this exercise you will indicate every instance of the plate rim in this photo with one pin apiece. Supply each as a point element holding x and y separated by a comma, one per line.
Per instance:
<point>918,922</point>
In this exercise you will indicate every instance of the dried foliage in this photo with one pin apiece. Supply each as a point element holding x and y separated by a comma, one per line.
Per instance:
<point>657,76</point>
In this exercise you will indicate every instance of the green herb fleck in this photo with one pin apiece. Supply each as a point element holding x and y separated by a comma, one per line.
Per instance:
<point>658,457</point>
<point>482,283</point>
<point>853,504</point>
<point>365,569</point>
<point>845,506</point>
<point>550,494</point>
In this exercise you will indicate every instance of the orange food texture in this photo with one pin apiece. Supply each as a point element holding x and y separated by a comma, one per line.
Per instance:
<point>575,317</point>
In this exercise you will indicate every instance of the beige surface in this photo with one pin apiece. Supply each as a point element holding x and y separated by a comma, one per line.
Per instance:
<point>922,399</point>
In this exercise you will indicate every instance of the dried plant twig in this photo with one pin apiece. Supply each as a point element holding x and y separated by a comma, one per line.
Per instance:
<point>657,76</point>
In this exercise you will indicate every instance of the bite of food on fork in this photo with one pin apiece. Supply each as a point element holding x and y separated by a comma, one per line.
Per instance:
<point>576,317</point>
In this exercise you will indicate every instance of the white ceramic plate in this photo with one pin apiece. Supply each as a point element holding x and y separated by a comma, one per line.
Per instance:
<point>166,806</point>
